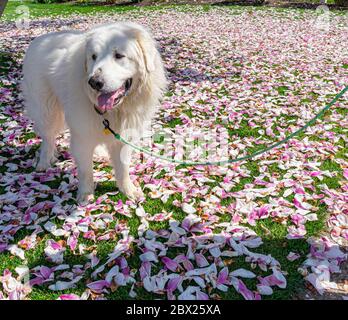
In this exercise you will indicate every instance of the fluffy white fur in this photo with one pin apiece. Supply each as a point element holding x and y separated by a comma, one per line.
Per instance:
<point>57,68</point>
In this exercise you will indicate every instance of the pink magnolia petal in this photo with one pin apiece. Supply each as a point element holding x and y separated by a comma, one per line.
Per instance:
<point>201,260</point>
<point>98,286</point>
<point>170,264</point>
<point>68,296</point>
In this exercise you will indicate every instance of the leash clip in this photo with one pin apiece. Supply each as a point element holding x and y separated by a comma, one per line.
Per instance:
<point>106,124</point>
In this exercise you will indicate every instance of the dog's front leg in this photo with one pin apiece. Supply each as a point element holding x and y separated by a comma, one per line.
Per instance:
<point>121,155</point>
<point>82,151</point>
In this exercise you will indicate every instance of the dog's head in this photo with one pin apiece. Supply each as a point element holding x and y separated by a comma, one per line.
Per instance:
<point>118,57</point>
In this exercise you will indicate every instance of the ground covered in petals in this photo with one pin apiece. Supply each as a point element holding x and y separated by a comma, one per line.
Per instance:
<point>260,229</point>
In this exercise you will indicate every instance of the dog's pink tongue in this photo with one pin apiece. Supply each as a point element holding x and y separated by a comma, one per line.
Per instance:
<point>106,100</point>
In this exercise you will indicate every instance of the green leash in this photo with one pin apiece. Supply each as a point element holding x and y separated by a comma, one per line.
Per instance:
<point>247,157</point>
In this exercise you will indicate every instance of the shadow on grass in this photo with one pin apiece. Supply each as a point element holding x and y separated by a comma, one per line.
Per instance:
<point>310,6</point>
<point>243,3</point>
<point>284,5</point>
<point>106,4</point>
<point>172,47</point>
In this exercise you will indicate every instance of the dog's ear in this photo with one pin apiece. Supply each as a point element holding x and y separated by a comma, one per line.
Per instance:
<point>147,46</point>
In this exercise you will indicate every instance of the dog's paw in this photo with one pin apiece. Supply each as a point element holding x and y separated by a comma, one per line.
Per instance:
<point>84,198</point>
<point>131,191</point>
<point>44,164</point>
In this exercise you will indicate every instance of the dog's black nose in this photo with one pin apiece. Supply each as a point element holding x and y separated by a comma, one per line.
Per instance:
<point>95,83</point>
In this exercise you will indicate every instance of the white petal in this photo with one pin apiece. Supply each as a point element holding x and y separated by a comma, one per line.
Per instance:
<point>264,290</point>
<point>243,273</point>
<point>188,208</point>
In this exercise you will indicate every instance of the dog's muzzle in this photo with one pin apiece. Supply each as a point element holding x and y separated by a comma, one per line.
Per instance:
<point>109,100</point>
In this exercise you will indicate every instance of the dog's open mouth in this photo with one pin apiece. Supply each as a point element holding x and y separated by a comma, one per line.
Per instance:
<point>107,101</point>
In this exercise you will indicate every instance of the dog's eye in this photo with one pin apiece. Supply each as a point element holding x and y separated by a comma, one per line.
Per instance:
<point>94,57</point>
<point>118,55</point>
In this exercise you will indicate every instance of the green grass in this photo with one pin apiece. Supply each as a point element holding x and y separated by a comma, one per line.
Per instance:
<point>37,10</point>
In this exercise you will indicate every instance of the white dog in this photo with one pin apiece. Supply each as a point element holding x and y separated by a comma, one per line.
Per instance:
<point>74,77</point>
